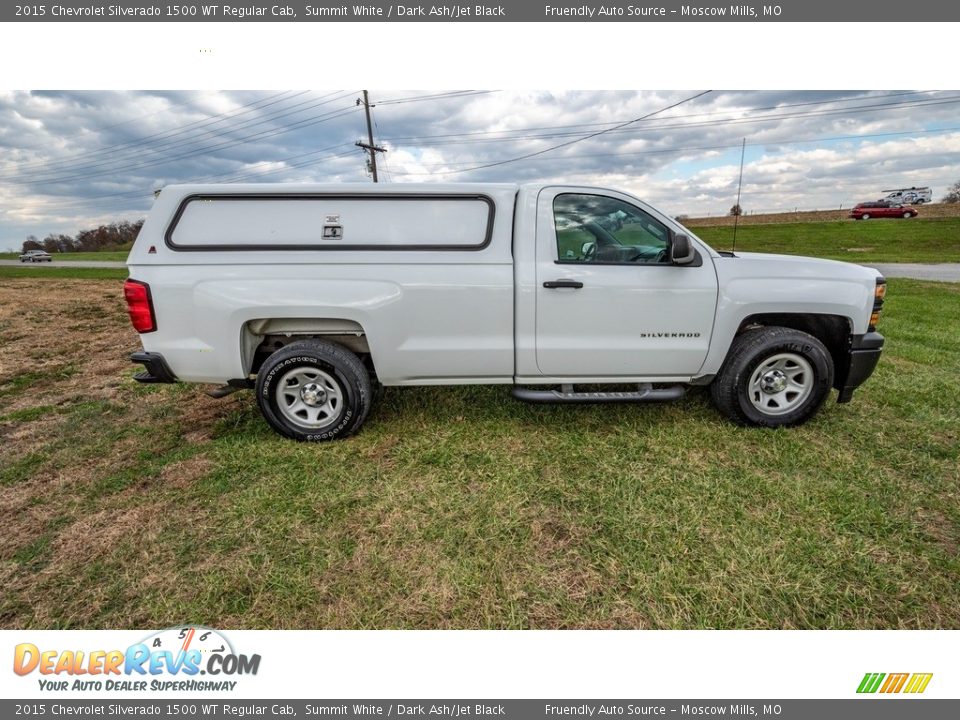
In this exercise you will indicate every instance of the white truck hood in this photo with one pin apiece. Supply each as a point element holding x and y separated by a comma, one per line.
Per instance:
<point>798,266</point>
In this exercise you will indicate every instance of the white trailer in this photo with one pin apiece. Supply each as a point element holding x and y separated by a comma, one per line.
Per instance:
<point>909,196</point>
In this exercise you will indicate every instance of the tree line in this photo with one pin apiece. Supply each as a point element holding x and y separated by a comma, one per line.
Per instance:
<point>114,236</point>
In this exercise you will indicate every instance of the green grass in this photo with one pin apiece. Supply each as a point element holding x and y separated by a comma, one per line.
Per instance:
<point>64,272</point>
<point>19,382</point>
<point>879,240</point>
<point>105,255</point>
<point>460,507</point>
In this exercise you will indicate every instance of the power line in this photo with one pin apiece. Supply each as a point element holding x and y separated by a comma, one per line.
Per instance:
<point>691,148</point>
<point>585,137</point>
<point>264,134</point>
<point>111,165</point>
<point>436,96</point>
<point>101,128</point>
<point>173,142</point>
<point>724,121</point>
<point>848,98</point>
<point>172,132</point>
<point>227,177</point>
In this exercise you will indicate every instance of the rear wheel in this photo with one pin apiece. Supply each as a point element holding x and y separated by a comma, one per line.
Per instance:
<point>313,390</point>
<point>773,377</point>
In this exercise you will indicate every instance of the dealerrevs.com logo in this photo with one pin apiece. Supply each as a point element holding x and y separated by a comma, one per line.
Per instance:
<point>183,658</point>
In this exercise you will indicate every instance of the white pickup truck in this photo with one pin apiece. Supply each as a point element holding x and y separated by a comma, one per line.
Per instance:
<point>316,295</point>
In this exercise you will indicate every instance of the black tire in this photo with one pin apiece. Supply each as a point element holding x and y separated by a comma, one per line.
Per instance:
<point>337,365</point>
<point>865,216</point>
<point>731,390</point>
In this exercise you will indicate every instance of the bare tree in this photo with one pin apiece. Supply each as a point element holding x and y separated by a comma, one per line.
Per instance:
<point>953,194</point>
<point>736,210</point>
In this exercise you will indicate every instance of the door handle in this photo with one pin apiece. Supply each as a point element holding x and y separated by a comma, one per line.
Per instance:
<point>552,284</point>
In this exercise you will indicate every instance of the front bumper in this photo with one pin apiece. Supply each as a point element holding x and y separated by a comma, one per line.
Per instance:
<point>862,359</point>
<point>156,368</point>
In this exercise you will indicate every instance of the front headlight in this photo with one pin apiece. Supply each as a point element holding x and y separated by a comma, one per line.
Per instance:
<point>878,295</point>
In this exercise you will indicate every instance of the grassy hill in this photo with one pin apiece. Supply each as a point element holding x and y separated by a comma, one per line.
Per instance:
<point>935,210</point>
<point>926,240</point>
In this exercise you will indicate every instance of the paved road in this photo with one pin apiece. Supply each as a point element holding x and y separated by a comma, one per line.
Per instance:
<point>68,263</point>
<point>945,272</point>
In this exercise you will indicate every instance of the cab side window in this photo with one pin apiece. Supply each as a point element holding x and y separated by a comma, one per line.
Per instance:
<point>596,228</point>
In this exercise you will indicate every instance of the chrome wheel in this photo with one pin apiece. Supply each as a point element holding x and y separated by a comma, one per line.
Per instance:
<point>309,397</point>
<point>780,384</point>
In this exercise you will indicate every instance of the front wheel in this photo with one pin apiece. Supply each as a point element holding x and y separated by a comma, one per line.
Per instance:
<point>773,377</point>
<point>865,216</point>
<point>313,390</point>
<point>907,215</point>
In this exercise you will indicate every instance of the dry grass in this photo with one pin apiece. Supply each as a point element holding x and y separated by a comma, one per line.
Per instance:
<point>126,505</point>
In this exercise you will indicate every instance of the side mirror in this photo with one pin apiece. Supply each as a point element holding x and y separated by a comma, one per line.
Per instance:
<point>681,250</point>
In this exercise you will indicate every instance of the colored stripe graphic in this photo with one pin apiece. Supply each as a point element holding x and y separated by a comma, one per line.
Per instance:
<point>870,683</point>
<point>894,683</point>
<point>918,683</point>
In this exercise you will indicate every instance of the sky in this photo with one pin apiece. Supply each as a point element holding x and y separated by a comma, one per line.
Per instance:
<point>72,160</point>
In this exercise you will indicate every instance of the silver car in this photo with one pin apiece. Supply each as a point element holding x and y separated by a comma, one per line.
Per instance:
<point>36,256</point>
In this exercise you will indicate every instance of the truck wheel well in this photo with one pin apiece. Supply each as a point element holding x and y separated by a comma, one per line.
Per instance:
<point>832,330</point>
<point>262,338</point>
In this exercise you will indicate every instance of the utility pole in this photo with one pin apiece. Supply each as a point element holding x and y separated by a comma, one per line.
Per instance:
<point>369,146</point>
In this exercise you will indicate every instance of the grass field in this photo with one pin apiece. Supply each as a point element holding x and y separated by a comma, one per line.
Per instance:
<point>61,272</point>
<point>935,210</point>
<point>106,255</point>
<point>883,240</point>
<point>146,506</point>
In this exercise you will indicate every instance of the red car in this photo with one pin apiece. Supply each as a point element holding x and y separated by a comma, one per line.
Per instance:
<point>882,208</point>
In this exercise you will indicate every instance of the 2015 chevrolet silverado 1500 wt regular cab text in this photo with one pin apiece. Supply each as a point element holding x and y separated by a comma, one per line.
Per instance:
<point>315,294</point>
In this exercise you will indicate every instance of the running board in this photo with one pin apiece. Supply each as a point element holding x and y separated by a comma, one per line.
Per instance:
<point>643,394</point>
<point>221,391</point>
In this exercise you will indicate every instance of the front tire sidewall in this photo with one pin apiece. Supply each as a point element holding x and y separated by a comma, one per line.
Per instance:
<point>352,391</point>
<point>732,393</point>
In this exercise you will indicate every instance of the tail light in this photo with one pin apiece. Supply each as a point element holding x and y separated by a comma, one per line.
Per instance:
<point>878,295</point>
<point>140,306</point>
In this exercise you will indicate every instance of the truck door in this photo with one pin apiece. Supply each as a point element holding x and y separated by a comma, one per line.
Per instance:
<point>609,301</point>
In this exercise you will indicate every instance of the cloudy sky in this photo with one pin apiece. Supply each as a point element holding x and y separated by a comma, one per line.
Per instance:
<point>70,160</point>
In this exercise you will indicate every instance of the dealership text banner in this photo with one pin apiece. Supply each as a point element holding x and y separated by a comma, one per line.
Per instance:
<point>513,11</point>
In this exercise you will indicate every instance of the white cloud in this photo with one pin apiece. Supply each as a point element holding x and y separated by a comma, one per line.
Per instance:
<point>73,159</point>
